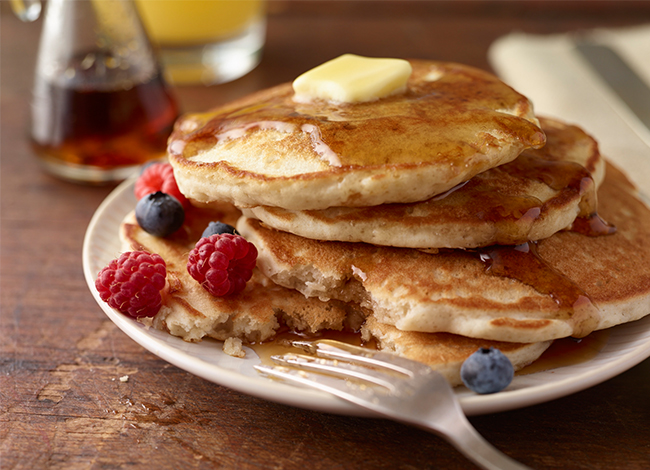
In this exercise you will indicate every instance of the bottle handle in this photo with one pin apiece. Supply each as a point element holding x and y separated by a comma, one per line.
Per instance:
<point>27,10</point>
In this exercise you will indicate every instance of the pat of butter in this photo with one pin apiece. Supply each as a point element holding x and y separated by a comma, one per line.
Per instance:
<point>353,79</point>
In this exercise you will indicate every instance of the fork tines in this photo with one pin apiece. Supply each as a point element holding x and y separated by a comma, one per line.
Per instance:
<point>332,349</point>
<point>334,360</point>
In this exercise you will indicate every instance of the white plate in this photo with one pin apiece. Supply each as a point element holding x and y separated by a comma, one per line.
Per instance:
<point>626,346</point>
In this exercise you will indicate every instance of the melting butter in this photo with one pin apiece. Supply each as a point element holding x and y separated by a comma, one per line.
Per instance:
<point>353,79</point>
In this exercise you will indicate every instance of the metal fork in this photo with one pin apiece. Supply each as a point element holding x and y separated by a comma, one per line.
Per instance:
<point>393,387</point>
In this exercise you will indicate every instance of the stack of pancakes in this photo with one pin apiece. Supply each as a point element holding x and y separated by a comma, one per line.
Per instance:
<point>434,222</point>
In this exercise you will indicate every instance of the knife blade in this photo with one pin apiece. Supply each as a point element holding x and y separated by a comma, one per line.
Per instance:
<point>620,77</point>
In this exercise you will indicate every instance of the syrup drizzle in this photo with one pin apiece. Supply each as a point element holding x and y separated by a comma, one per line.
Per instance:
<point>524,264</point>
<point>515,198</point>
<point>571,181</point>
<point>422,117</point>
<point>515,214</point>
<point>592,226</point>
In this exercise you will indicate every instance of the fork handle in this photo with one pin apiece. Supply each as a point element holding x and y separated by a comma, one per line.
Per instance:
<point>470,443</point>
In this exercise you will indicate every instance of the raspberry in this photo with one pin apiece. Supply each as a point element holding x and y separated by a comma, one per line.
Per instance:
<point>159,177</point>
<point>222,263</point>
<point>132,283</point>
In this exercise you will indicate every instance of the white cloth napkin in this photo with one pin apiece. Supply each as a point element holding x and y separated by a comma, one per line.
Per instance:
<point>560,83</point>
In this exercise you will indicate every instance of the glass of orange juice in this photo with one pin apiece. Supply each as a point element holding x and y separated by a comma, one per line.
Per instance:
<point>205,41</point>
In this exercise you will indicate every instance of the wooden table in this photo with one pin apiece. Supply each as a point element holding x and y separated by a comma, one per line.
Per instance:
<point>62,404</point>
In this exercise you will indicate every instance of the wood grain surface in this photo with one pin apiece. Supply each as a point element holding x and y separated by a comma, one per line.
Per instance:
<point>62,403</point>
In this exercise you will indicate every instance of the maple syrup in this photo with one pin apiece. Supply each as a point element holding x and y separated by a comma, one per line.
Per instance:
<point>567,352</point>
<point>100,106</point>
<point>592,226</point>
<point>102,132</point>
<point>523,263</point>
<point>281,343</point>
<point>432,116</point>
<point>564,352</point>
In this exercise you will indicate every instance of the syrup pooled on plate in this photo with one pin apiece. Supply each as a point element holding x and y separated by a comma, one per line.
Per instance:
<point>567,352</point>
<point>563,352</point>
<point>281,343</point>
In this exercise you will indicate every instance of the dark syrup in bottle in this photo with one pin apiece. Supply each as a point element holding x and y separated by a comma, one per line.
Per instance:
<point>91,130</point>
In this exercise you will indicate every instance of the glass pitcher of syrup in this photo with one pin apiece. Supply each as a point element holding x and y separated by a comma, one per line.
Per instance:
<point>100,105</point>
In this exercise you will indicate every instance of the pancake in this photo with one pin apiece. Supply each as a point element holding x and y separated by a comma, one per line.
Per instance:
<point>539,193</point>
<point>444,352</point>
<point>451,123</point>
<point>265,309</point>
<point>569,284</point>
<point>253,315</point>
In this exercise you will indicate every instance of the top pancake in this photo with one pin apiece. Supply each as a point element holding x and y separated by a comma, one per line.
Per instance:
<point>566,285</point>
<point>452,123</point>
<point>539,193</point>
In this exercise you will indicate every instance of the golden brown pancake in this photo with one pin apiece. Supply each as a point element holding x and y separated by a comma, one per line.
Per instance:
<point>539,193</point>
<point>254,314</point>
<point>567,285</point>
<point>452,123</point>
<point>444,352</point>
<point>263,309</point>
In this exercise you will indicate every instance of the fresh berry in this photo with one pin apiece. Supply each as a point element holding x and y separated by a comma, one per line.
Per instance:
<point>488,370</point>
<point>144,167</point>
<point>222,263</point>
<point>218,228</point>
<point>158,177</point>
<point>132,283</point>
<point>159,214</point>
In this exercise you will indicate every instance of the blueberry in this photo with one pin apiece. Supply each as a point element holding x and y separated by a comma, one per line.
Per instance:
<point>488,370</point>
<point>159,214</point>
<point>218,227</point>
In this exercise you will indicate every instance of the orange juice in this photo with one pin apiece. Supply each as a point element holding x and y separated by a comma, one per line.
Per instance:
<point>190,22</point>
